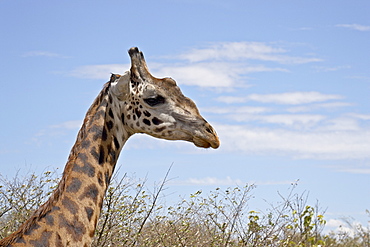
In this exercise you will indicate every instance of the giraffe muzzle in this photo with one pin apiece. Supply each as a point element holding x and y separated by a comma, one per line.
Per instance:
<point>208,138</point>
<point>202,143</point>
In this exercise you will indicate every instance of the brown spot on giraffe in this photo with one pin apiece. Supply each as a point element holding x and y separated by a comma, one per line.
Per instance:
<point>85,144</point>
<point>43,241</point>
<point>116,143</point>
<point>70,205</point>
<point>49,219</point>
<point>74,186</point>
<point>110,112</point>
<point>31,229</point>
<point>74,228</point>
<point>94,154</point>
<point>89,212</point>
<point>156,121</point>
<point>102,157</point>
<point>91,192</point>
<point>110,125</point>
<point>86,168</point>
<point>100,178</point>
<point>20,241</point>
<point>104,134</point>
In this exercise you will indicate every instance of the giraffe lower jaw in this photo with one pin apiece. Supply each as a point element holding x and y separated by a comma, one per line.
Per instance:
<point>205,144</point>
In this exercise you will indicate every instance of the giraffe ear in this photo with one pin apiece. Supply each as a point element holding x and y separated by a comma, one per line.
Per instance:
<point>121,87</point>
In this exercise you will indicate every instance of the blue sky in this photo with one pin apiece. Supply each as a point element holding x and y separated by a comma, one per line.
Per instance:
<point>285,84</point>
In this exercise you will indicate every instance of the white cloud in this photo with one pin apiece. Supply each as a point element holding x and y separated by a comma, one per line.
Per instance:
<point>239,110</point>
<point>273,182</point>
<point>205,75</point>
<point>340,124</point>
<point>222,75</point>
<point>356,170</point>
<point>212,74</point>
<point>70,125</point>
<point>228,181</point>
<point>99,71</point>
<point>291,98</point>
<point>358,77</point>
<point>356,27</point>
<point>360,116</point>
<point>359,167</point>
<point>43,54</point>
<point>331,69</point>
<point>300,120</point>
<point>253,114</point>
<point>301,136</point>
<point>244,51</point>
<point>334,223</point>
<point>305,29</point>
<point>296,144</point>
<point>311,107</point>
<point>55,131</point>
<point>220,65</point>
<point>341,227</point>
<point>231,99</point>
<point>232,51</point>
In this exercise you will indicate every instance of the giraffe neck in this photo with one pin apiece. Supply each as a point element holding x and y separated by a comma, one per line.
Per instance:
<point>70,215</point>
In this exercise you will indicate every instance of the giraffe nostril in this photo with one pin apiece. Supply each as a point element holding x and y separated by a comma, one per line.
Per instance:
<point>209,130</point>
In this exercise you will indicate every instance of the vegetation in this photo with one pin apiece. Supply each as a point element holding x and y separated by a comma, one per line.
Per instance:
<point>133,216</point>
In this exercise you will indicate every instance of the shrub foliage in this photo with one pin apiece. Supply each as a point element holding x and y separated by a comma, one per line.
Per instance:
<point>134,216</point>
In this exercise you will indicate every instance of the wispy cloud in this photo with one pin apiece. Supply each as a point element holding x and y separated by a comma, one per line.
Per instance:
<point>356,27</point>
<point>232,99</point>
<point>207,75</point>
<point>210,74</point>
<point>341,123</point>
<point>305,29</point>
<point>244,51</point>
<point>331,69</point>
<point>236,110</point>
<point>220,65</point>
<point>43,54</point>
<point>227,181</point>
<point>290,98</point>
<point>274,125</point>
<point>316,136</point>
<point>55,131</point>
<point>261,130</point>
<point>315,144</point>
<point>293,98</point>
<point>318,106</point>
<point>344,226</point>
<point>265,115</point>
<point>361,116</point>
<point>220,75</point>
<point>75,124</point>
<point>301,121</point>
<point>365,170</point>
<point>101,72</point>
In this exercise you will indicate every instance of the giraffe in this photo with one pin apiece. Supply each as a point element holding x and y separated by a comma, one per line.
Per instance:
<point>135,102</point>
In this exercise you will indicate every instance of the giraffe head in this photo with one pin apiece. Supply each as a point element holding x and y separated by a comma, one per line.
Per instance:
<point>157,106</point>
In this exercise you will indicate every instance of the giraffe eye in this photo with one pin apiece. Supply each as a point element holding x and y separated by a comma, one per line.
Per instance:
<point>154,101</point>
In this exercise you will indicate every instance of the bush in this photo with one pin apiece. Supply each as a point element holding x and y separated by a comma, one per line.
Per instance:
<point>133,216</point>
<point>20,196</point>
